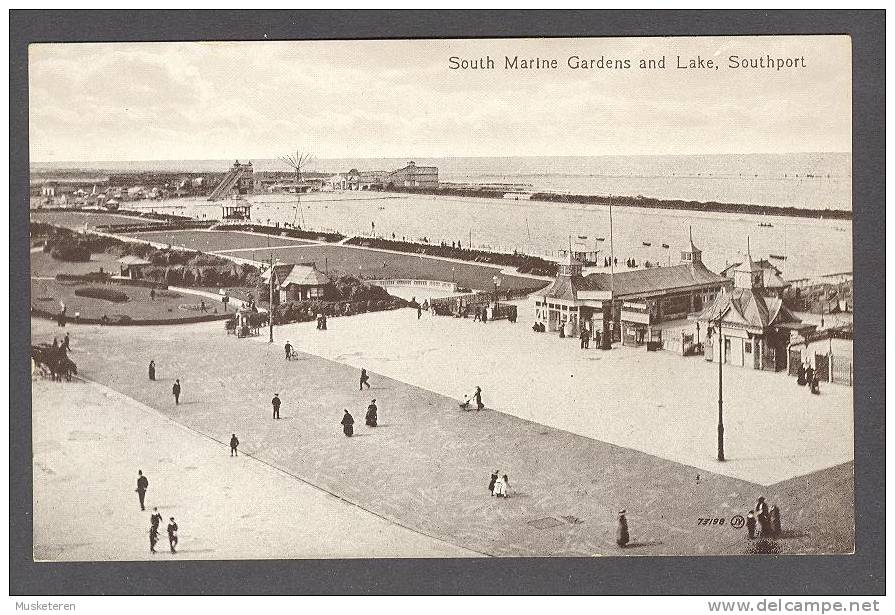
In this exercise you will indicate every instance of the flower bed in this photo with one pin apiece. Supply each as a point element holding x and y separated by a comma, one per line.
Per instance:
<point>109,294</point>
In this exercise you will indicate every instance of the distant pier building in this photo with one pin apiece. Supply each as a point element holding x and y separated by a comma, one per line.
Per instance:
<point>413,176</point>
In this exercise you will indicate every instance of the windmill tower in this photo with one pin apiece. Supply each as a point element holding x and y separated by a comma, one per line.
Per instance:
<point>297,162</point>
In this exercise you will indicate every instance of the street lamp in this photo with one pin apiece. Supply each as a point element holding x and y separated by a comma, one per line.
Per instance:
<point>720,390</point>
<point>496,289</point>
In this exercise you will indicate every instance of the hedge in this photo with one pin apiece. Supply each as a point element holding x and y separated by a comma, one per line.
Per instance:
<point>70,251</point>
<point>109,294</point>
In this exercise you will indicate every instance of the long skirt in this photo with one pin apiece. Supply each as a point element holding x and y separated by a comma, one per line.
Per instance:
<point>349,430</point>
<point>621,536</point>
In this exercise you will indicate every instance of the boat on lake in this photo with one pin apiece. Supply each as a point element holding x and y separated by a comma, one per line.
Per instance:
<point>647,244</point>
<point>779,257</point>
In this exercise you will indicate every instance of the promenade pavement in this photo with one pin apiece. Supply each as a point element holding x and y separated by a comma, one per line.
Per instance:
<point>658,402</point>
<point>90,441</point>
<point>427,465</point>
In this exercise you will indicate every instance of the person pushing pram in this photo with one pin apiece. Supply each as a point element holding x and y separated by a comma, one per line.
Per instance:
<point>477,397</point>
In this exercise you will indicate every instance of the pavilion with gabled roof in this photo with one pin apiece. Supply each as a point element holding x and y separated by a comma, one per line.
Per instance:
<point>755,330</point>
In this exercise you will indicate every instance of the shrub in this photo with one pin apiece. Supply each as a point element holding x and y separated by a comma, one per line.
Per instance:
<point>109,294</point>
<point>70,251</point>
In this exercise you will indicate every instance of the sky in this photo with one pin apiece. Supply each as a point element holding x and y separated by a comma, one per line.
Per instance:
<point>400,98</point>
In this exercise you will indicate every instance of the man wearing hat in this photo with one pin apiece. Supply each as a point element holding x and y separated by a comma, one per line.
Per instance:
<point>275,402</point>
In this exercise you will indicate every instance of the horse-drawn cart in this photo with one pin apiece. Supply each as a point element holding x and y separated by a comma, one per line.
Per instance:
<point>246,322</point>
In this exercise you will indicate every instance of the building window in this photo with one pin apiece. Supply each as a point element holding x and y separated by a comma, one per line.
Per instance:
<point>748,347</point>
<point>315,292</point>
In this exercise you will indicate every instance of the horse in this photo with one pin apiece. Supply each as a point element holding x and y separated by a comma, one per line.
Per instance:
<point>54,360</point>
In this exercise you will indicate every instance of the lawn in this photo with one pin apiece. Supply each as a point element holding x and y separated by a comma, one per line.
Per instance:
<point>212,241</point>
<point>45,266</point>
<point>76,219</point>
<point>46,295</point>
<point>375,264</point>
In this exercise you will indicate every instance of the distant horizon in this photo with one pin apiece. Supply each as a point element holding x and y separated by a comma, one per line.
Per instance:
<point>448,157</point>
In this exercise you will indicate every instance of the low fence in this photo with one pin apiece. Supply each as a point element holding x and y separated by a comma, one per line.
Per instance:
<point>829,367</point>
<point>468,305</point>
<point>436,284</point>
<point>832,278</point>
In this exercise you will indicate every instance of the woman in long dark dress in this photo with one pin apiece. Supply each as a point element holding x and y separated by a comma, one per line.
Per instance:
<point>152,370</point>
<point>622,538</point>
<point>801,380</point>
<point>348,424</point>
<point>372,418</point>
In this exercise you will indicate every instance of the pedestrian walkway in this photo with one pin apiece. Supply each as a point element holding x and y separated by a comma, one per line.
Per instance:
<point>89,442</point>
<point>657,402</point>
<point>427,464</point>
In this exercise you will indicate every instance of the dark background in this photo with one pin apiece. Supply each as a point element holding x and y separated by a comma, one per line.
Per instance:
<point>861,573</point>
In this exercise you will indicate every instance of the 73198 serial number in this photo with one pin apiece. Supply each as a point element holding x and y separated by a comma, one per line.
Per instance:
<point>710,521</point>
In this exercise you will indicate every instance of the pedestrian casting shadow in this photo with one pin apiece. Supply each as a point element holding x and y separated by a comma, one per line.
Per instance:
<point>763,547</point>
<point>361,435</point>
<point>647,543</point>
<point>187,403</point>
<point>179,551</point>
<point>792,534</point>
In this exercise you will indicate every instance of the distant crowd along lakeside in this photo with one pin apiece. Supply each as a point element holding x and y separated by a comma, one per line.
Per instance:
<point>638,201</point>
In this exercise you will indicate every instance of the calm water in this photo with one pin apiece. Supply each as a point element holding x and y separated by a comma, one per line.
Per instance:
<point>812,247</point>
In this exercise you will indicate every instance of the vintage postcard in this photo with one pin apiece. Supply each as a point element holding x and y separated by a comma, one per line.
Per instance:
<point>442,298</point>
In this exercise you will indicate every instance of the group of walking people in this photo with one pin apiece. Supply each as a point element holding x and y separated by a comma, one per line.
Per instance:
<point>155,521</point>
<point>767,518</point>
<point>498,484</point>
<point>371,419</point>
<point>807,375</point>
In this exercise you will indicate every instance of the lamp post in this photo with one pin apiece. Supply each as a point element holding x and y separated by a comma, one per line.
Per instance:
<point>720,391</point>
<point>270,305</point>
<point>496,280</point>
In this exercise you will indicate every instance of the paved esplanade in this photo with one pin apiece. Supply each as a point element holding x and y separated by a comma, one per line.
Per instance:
<point>427,465</point>
<point>656,402</point>
<point>89,443</point>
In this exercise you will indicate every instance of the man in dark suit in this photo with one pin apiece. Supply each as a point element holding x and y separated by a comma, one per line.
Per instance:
<point>234,444</point>
<point>275,402</point>
<point>142,486</point>
<point>176,391</point>
<point>155,521</point>
<point>172,535</point>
